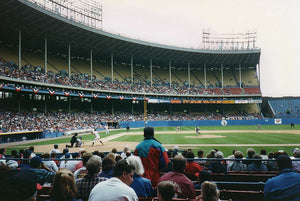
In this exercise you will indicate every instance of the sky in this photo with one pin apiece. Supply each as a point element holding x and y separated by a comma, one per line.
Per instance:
<point>181,23</point>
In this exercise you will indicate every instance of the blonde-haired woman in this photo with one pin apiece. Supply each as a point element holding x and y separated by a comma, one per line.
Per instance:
<point>210,191</point>
<point>64,188</point>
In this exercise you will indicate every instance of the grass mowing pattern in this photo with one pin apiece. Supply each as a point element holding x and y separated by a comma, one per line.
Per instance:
<point>231,138</point>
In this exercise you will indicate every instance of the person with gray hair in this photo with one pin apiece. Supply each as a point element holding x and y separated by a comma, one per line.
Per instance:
<point>296,164</point>
<point>141,185</point>
<point>87,183</point>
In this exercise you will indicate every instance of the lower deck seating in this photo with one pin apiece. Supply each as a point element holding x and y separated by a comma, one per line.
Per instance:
<point>239,195</point>
<point>246,186</point>
<point>243,177</point>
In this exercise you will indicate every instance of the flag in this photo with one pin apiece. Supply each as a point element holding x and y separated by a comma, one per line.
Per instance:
<point>51,92</point>
<point>67,93</point>
<point>18,89</point>
<point>35,91</point>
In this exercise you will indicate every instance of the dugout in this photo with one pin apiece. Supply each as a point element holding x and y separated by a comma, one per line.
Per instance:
<point>113,124</point>
<point>19,136</point>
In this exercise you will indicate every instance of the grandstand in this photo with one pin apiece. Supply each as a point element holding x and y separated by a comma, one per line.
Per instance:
<point>286,107</point>
<point>70,66</point>
<point>60,75</point>
<point>118,73</point>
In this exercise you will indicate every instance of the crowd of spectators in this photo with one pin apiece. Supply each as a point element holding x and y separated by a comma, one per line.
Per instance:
<point>29,73</point>
<point>60,121</point>
<point>91,176</point>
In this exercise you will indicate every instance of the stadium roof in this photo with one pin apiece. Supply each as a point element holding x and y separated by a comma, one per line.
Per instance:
<point>37,23</point>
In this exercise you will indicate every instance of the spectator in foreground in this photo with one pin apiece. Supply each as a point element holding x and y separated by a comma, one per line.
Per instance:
<point>153,156</point>
<point>286,185</point>
<point>116,188</point>
<point>200,154</point>
<point>17,185</point>
<point>257,165</point>
<point>237,165</point>
<point>50,163</point>
<point>43,175</point>
<point>210,192</point>
<point>11,162</point>
<point>87,183</point>
<point>140,185</point>
<point>204,175</point>
<point>165,191</point>
<point>108,165</point>
<point>184,186</point>
<point>263,154</point>
<point>218,166</point>
<point>125,151</point>
<point>81,172</point>
<point>192,167</point>
<point>64,188</point>
<point>296,164</point>
<point>250,153</point>
<point>55,149</point>
<point>271,164</point>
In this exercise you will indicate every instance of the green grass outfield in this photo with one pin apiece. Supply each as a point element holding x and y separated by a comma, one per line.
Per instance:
<point>231,141</point>
<point>272,141</point>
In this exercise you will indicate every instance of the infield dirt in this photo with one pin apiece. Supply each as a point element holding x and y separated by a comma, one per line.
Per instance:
<point>109,144</point>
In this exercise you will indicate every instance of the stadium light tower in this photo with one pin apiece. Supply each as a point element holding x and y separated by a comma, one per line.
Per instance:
<point>87,12</point>
<point>234,41</point>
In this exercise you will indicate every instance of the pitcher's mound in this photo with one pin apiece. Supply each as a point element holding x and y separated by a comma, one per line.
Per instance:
<point>206,136</point>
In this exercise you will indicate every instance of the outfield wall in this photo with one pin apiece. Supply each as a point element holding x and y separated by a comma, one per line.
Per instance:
<point>138,124</point>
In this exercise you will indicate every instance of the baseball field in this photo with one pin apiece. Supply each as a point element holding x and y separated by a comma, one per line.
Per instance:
<point>225,138</point>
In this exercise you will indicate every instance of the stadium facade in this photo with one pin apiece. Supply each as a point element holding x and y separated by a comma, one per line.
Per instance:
<point>62,64</point>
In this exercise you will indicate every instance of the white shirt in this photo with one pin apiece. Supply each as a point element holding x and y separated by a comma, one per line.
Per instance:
<point>71,165</point>
<point>123,155</point>
<point>113,190</point>
<point>51,165</point>
<point>77,172</point>
<point>55,150</point>
<point>96,134</point>
<point>296,165</point>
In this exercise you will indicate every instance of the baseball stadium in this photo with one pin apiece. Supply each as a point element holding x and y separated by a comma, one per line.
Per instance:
<point>62,75</point>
